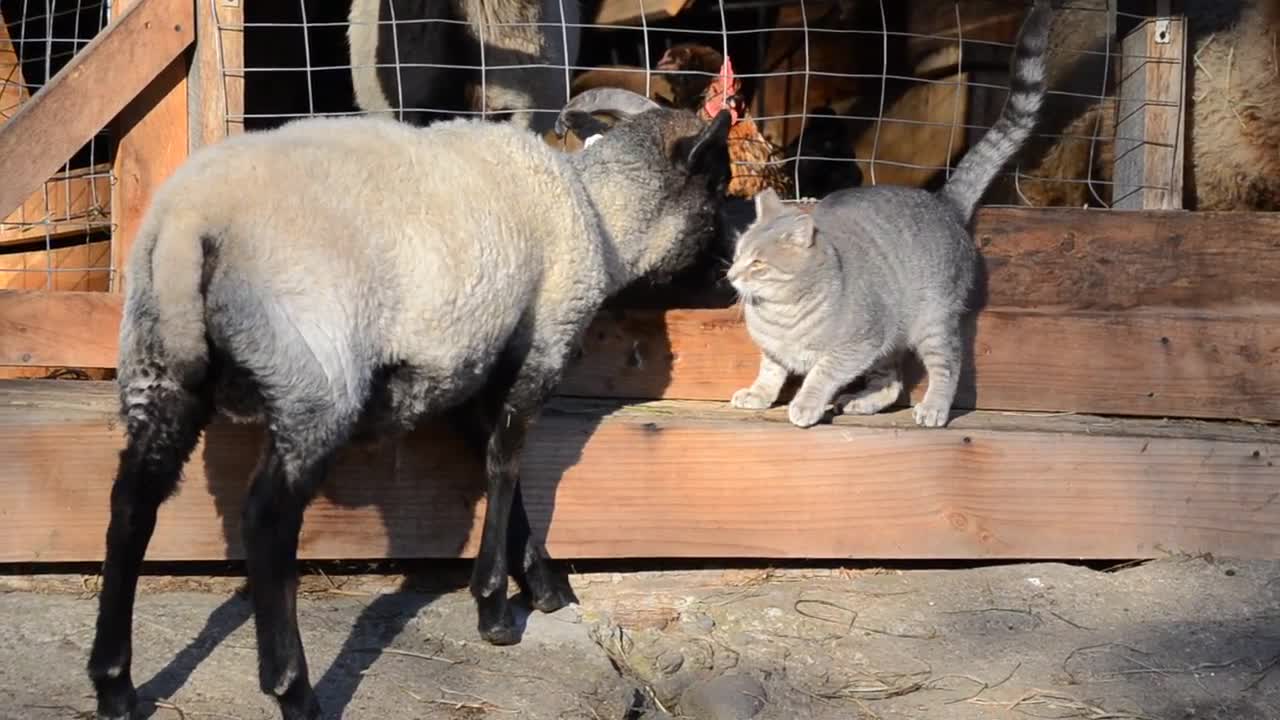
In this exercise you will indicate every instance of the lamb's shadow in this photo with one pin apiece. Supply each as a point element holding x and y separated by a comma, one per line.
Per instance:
<point>222,622</point>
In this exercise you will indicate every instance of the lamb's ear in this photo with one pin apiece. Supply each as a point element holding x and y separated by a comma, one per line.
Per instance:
<point>583,124</point>
<point>768,203</point>
<point>801,232</point>
<point>698,154</point>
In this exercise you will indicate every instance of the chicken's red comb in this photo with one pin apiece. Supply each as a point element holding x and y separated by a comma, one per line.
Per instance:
<point>728,88</point>
<point>726,71</point>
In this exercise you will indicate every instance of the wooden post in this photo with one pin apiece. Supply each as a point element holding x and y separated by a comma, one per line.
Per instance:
<point>216,83</point>
<point>151,137</point>
<point>95,86</point>
<point>1151,127</point>
<point>13,91</point>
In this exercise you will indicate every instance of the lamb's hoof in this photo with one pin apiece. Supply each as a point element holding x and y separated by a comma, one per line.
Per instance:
<point>501,634</point>
<point>127,715</point>
<point>300,703</point>
<point>308,712</point>
<point>556,595</point>
<point>119,702</point>
<point>496,625</point>
<point>931,416</point>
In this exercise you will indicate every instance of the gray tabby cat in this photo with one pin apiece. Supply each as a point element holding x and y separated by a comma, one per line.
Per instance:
<point>840,293</point>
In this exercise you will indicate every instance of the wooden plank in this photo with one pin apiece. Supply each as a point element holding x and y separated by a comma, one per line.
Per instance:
<point>1063,258</point>
<point>74,204</point>
<point>36,372</point>
<point>1149,363</point>
<point>215,85</point>
<point>1218,364</point>
<point>681,480</point>
<point>88,92</point>
<point>1100,260</point>
<point>1090,259</point>
<point>13,89</point>
<point>1150,133</point>
<point>84,267</point>
<point>151,144</point>
<point>630,12</point>
<point>59,329</point>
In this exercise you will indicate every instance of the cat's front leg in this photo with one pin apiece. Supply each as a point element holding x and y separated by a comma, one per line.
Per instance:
<point>764,391</point>
<point>828,376</point>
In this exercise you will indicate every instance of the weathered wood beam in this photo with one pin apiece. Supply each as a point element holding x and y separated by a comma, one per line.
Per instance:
<point>684,480</point>
<point>88,92</point>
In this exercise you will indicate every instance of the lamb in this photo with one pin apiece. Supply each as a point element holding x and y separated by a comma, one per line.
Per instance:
<point>407,272</point>
<point>413,55</point>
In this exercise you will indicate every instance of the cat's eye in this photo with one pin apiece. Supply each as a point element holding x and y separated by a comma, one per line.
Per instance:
<point>756,265</point>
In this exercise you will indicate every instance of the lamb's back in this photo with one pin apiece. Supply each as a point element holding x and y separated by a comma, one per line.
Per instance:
<point>377,242</point>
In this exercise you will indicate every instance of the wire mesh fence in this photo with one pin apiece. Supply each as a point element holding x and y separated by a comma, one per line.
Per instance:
<point>829,93</point>
<point>59,238</point>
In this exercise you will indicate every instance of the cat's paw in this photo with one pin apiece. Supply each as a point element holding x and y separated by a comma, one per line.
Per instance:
<point>931,415</point>
<point>804,414</point>
<point>749,399</point>
<point>862,404</point>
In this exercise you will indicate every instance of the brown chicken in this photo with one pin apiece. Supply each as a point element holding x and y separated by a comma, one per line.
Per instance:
<point>756,162</point>
<point>688,68</point>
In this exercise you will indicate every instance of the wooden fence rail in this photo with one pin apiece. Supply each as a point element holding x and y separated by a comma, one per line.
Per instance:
<point>684,479</point>
<point>1156,314</point>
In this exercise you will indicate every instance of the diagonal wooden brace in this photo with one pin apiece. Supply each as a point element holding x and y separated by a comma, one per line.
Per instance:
<point>88,92</point>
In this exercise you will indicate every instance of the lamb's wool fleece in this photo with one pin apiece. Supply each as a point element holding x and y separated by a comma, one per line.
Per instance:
<point>1233,112</point>
<point>318,255</point>
<point>534,38</point>
<point>1234,96</point>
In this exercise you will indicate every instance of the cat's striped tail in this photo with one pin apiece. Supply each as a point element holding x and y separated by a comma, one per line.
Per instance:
<point>1006,138</point>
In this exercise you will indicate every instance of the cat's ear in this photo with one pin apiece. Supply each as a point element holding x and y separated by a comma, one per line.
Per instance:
<point>768,203</point>
<point>801,232</point>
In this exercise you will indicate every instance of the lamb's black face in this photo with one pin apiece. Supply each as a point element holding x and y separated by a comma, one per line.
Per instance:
<point>693,157</point>
<point>665,173</point>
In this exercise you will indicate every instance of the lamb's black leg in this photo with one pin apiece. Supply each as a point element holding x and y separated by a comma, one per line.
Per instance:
<point>534,570</point>
<point>489,573</point>
<point>161,433</point>
<point>546,584</point>
<point>528,370</point>
<point>281,491</point>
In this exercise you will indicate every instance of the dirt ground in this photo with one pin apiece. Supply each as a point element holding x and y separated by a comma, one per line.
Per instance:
<point>1180,638</point>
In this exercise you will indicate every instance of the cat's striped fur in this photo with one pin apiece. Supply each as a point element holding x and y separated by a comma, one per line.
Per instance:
<point>841,292</point>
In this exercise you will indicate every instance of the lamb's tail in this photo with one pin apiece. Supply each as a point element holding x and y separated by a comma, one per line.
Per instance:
<point>1004,141</point>
<point>162,335</point>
